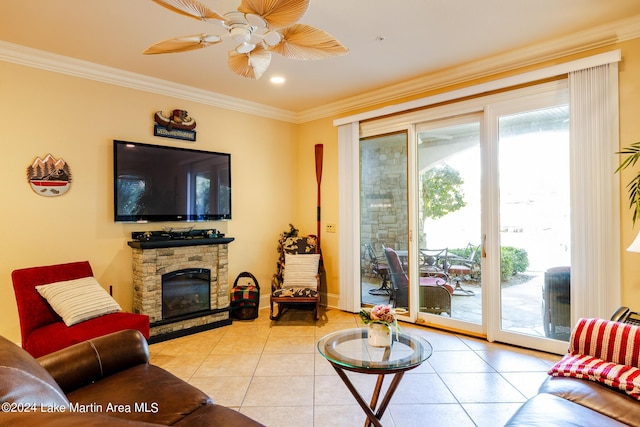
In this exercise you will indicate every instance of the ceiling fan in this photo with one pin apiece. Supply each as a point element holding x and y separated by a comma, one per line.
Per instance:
<point>259,27</point>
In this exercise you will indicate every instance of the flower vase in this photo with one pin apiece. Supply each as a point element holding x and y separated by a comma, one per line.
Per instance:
<point>379,335</point>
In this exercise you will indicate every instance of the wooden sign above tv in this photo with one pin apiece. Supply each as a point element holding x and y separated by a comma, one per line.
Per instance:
<point>178,126</point>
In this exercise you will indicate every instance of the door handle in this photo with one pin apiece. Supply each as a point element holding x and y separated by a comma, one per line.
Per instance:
<point>484,245</point>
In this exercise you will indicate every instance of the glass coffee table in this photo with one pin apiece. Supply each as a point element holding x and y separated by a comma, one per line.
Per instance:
<point>348,350</point>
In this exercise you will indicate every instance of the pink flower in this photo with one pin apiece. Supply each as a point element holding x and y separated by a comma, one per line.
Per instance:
<point>383,313</point>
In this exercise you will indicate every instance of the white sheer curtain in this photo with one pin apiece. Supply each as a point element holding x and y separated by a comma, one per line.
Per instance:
<point>348,215</point>
<point>595,275</point>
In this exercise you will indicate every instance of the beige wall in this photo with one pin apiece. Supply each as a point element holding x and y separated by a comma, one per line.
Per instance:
<point>629,133</point>
<point>76,119</point>
<point>321,132</point>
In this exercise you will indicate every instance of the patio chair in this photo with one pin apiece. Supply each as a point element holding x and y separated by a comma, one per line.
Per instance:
<point>463,266</point>
<point>470,258</point>
<point>378,268</point>
<point>433,260</point>
<point>435,292</point>
<point>297,280</point>
<point>556,303</point>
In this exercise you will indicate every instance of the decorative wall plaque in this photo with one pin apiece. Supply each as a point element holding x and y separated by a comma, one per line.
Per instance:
<point>49,177</point>
<point>178,126</point>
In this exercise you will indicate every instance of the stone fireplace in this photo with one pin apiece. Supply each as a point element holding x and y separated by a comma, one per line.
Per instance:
<point>182,285</point>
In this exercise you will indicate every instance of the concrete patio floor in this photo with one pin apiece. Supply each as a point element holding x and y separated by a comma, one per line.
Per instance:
<point>521,302</point>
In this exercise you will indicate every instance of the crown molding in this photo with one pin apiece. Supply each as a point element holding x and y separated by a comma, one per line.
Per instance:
<point>598,37</point>
<point>48,61</point>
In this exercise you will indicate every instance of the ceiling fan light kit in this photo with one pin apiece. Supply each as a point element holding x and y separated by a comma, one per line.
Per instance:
<point>258,27</point>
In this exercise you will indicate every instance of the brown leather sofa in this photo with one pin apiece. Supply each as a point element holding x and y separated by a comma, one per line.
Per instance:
<point>600,352</point>
<point>564,401</point>
<point>106,381</point>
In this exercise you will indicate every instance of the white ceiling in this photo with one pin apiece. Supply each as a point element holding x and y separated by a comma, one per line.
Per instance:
<point>389,41</point>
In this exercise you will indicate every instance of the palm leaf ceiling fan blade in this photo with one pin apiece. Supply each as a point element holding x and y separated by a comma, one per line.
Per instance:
<point>277,13</point>
<point>182,44</point>
<point>190,8</point>
<point>250,65</point>
<point>251,27</point>
<point>301,41</point>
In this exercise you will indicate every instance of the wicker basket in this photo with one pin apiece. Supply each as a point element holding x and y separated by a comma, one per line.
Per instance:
<point>245,297</point>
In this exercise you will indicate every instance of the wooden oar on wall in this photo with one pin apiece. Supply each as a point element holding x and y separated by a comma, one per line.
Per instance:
<point>319,149</point>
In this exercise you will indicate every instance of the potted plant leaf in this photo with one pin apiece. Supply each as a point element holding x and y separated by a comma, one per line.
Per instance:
<point>634,185</point>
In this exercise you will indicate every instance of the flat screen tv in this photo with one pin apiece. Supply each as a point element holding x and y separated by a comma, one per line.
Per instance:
<point>156,183</point>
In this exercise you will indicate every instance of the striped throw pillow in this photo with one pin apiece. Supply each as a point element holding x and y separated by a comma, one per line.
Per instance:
<point>603,351</point>
<point>78,300</point>
<point>623,377</point>
<point>607,340</point>
<point>301,271</point>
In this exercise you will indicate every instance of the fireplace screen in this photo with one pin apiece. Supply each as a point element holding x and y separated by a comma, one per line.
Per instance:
<point>185,292</point>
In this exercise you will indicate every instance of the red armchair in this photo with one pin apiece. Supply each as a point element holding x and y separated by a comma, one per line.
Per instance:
<point>42,330</point>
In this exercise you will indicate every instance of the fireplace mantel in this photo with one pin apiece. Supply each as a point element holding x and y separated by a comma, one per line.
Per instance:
<point>176,243</point>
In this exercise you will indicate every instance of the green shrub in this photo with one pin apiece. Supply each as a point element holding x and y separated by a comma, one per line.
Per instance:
<point>519,258</point>
<point>512,261</point>
<point>461,252</point>
<point>506,265</point>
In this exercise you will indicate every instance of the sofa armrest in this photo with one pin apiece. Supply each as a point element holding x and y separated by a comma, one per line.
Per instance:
<point>66,419</point>
<point>81,364</point>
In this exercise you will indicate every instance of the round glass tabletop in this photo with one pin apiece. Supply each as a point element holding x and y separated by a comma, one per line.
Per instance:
<point>349,349</point>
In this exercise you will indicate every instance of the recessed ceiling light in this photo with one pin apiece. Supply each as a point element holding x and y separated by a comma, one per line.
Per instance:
<point>277,80</point>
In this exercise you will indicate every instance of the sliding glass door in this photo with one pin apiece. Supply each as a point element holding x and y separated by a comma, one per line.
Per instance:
<point>549,200</point>
<point>449,217</point>
<point>532,148</point>
<point>476,207</point>
<point>384,219</point>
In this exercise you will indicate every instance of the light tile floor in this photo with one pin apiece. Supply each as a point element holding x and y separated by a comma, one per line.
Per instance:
<point>272,372</point>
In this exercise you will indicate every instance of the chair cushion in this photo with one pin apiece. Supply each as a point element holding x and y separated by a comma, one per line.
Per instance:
<point>78,300</point>
<point>435,281</point>
<point>301,271</point>
<point>459,269</point>
<point>57,335</point>
<point>295,293</point>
